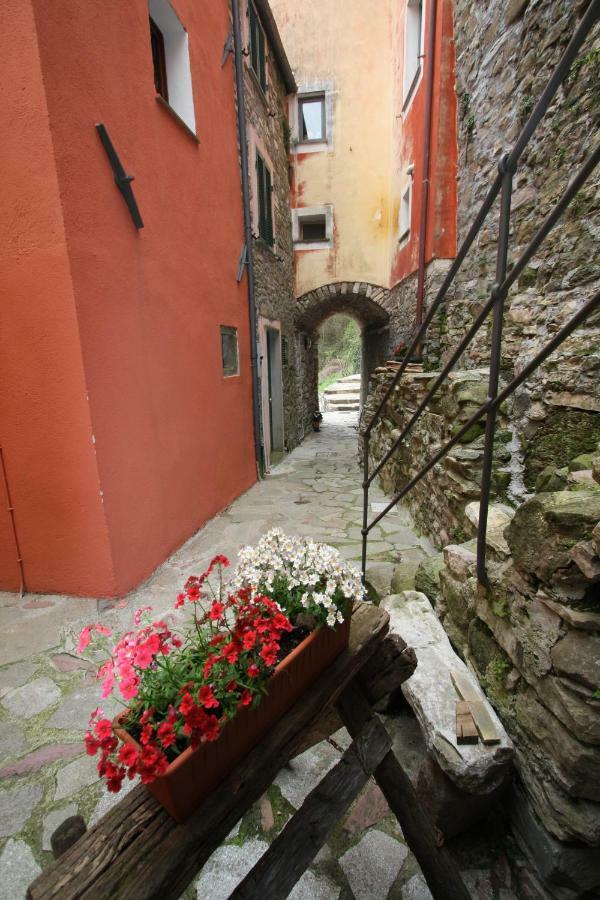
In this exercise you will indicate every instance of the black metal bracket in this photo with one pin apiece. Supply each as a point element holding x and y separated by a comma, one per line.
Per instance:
<point>122,180</point>
<point>227,48</point>
<point>243,261</point>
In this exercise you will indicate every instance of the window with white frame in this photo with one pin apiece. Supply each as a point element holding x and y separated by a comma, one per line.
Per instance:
<point>413,46</point>
<point>405,213</point>
<point>312,227</point>
<point>311,118</point>
<point>171,61</point>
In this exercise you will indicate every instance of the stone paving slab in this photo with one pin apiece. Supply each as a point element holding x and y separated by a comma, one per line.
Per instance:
<point>46,694</point>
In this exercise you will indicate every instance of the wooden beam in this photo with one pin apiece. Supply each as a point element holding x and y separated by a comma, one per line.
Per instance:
<point>438,867</point>
<point>486,727</point>
<point>466,730</point>
<point>292,851</point>
<point>138,851</point>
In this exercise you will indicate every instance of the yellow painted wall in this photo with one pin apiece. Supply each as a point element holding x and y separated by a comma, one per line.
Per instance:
<point>348,46</point>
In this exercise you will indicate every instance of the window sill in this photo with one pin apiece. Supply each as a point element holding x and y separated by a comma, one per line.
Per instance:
<point>162,102</point>
<point>325,244</point>
<point>310,146</point>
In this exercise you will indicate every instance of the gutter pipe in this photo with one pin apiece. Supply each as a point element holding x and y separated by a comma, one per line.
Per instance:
<point>242,137</point>
<point>430,59</point>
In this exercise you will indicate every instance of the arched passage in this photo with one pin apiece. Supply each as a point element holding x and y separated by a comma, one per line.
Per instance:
<point>365,303</point>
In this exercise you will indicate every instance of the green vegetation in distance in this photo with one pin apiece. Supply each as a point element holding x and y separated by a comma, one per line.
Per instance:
<point>340,348</point>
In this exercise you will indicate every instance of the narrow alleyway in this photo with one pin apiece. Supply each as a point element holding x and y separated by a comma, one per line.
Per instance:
<point>46,695</point>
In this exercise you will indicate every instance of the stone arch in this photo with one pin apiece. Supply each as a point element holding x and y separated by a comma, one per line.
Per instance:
<point>366,304</point>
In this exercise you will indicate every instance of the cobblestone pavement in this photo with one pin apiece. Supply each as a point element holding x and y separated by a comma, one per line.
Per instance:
<point>47,693</point>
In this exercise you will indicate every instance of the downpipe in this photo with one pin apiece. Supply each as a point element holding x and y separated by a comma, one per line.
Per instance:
<point>242,138</point>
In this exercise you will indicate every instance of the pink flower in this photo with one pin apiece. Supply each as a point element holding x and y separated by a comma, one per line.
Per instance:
<point>137,618</point>
<point>102,629</point>
<point>129,688</point>
<point>84,638</point>
<point>103,729</point>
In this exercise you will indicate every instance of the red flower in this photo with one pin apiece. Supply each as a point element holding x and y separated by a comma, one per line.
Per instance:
<point>269,653</point>
<point>180,600</point>
<point>211,728</point>
<point>249,640</point>
<point>245,698</point>
<point>216,611</point>
<point>232,686</point>
<point>253,671</point>
<point>207,698</point>
<point>128,755</point>
<point>147,734</point>
<point>166,734</point>
<point>231,652</point>
<point>186,704</point>
<point>91,744</point>
<point>103,729</point>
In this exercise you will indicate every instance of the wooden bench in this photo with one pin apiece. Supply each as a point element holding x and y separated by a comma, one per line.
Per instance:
<point>138,852</point>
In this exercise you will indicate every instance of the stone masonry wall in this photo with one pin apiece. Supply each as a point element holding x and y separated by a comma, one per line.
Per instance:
<point>274,274</point>
<point>534,640</point>
<point>505,53</point>
<point>439,501</point>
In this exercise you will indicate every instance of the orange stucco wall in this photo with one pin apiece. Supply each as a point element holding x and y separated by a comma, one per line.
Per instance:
<point>167,438</point>
<point>441,228</point>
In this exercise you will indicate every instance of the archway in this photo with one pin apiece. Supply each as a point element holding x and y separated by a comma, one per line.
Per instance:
<point>365,303</point>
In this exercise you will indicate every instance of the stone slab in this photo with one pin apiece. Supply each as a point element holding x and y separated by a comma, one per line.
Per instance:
<point>16,805</point>
<point>18,868</point>
<point>472,767</point>
<point>16,675</point>
<point>34,761</point>
<point>372,865</point>
<point>32,698</point>
<point>53,820</point>
<point>74,776</point>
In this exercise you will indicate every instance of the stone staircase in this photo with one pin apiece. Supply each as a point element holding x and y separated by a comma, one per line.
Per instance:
<point>343,396</point>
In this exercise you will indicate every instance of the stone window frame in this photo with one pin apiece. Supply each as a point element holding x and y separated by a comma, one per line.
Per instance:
<point>308,212</point>
<point>230,331</point>
<point>307,89</point>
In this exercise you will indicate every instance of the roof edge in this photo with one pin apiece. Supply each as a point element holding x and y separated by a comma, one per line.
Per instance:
<point>270,25</point>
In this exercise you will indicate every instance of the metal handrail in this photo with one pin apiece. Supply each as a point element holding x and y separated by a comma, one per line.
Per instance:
<point>502,186</point>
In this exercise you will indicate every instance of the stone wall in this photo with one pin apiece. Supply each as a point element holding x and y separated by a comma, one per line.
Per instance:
<point>274,274</point>
<point>505,53</point>
<point>533,638</point>
<point>439,502</point>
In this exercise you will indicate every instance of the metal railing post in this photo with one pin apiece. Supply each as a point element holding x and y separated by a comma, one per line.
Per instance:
<point>365,530</point>
<point>507,170</point>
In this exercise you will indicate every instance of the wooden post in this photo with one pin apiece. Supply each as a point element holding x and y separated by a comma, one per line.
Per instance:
<point>292,851</point>
<point>437,865</point>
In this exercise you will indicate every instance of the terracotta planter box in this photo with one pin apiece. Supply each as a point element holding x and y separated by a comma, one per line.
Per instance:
<point>195,773</point>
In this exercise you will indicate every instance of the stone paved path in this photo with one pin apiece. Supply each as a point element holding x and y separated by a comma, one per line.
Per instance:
<point>46,694</point>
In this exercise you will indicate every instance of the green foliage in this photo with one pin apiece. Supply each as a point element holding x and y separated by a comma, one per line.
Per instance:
<point>340,345</point>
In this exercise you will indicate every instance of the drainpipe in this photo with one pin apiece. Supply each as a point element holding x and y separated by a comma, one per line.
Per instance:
<point>11,511</point>
<point>426,163</point>
<point>242,137</point>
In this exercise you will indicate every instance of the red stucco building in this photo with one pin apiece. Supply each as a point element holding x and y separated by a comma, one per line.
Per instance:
<point>122,428</point>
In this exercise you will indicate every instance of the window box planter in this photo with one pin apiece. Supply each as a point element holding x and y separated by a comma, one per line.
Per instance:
<point>191,777</point>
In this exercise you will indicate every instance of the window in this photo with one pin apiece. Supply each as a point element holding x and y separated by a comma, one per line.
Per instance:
<point>158,59</point>
<point>264,189</point>
<point>229,350</point>
<point>171,61</point>
<point>257,46</point>
<point>311,112</point>
<point>313,228</point>
<point>412,46</point>
<point>405,212</point>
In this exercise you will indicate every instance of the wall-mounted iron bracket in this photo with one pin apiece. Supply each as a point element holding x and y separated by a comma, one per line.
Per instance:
<point>227,48</point>
<point>122,180</point>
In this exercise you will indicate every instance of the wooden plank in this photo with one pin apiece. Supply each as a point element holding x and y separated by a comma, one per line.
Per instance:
<point>486,727</point>
<point>466,730</point>
<point>488,732</point>
<point>292,851</point>
<point>138,851</point>
<point>385,671</point>
<point>438,867</point>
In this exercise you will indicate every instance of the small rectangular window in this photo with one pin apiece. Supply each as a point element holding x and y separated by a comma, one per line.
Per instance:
<point>257,47</point>
<point>229,350</point>
<point>159,60</point>
<point>311,111</point>
<point>405,212</point>
<point>313,228</point>
<point>264,188</point>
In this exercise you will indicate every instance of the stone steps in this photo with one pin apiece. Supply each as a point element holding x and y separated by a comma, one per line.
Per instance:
<point>344,395</point>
